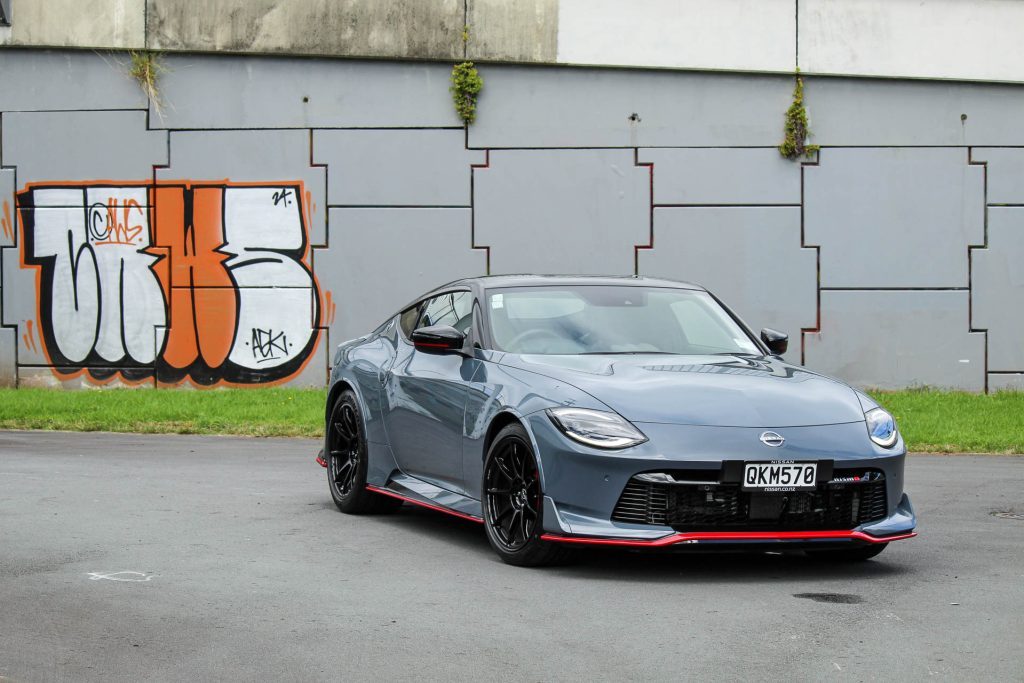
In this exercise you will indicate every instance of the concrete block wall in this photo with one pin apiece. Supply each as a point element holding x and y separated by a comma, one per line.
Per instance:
<point>277,206</point>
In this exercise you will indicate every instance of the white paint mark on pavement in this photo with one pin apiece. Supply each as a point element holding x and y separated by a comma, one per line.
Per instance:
<point>120,576</point>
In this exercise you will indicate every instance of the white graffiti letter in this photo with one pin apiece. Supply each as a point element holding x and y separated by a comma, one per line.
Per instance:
<point>277,300</point>
<point>73,309</point>
<point>104,295</point>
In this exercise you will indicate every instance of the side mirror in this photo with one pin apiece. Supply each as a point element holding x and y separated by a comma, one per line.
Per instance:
<point>438,338</point>
<point>777,342</point>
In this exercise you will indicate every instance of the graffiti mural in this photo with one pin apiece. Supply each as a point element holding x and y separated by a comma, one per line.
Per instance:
<point>200,282</point>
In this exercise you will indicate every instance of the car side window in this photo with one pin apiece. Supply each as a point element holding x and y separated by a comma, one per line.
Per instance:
<point>453,308</point>
<point>407,319</point>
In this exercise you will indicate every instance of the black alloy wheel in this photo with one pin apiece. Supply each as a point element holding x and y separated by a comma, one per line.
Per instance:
<point>343,458</point>
<point>513,502</point>
<point>347,460</point>
<point>513,494</point>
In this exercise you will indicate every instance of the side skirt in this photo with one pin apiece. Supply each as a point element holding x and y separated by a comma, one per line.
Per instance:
<point>417,492</point>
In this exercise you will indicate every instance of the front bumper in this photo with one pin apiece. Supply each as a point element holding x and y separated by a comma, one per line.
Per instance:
<point>896,527</point>
<point>583,485</point>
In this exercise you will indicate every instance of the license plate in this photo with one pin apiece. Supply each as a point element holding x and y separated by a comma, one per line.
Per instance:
<point>780,475</point>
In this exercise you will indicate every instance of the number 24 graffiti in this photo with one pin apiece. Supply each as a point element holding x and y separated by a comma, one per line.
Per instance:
<point>197,281</point>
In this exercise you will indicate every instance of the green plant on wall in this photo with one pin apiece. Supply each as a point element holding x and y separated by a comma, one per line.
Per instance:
<point>795,143</point>
<point>466,85</point>
<point>146,68</point>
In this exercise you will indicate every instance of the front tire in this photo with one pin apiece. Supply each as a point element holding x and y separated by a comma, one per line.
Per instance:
<point>858,554</point>
<point>513,502</point>
<point>347,461</point>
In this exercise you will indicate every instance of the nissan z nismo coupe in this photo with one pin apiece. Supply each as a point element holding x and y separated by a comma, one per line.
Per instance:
<point>567,411</point>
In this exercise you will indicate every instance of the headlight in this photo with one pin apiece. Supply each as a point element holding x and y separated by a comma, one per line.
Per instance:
<point>596,428</point>
<point>881,427</point>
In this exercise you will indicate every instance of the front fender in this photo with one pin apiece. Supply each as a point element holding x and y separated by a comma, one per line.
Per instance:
<point>358,366</point>
<point>499,392</point>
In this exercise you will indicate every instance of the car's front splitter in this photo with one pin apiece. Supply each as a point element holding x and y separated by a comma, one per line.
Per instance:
<point>734,537</point>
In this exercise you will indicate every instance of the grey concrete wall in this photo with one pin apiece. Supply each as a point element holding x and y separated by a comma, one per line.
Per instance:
<point>278,206</point>
<point>430,29</point>
<point>961,40</point>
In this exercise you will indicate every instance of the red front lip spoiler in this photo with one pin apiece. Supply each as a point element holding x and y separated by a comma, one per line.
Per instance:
<point>726,536</point>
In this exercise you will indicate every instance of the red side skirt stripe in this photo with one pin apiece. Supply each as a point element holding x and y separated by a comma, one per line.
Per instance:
<point>438,508</point>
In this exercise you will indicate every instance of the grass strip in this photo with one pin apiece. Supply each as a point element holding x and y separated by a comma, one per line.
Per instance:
<point>931,421</point>
<point>957,421</point>
<point>248,412</point>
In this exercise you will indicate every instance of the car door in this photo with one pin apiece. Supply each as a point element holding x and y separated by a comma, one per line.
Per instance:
<point>426,396</point>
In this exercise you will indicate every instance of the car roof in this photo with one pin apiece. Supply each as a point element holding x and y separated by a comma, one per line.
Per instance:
<point>527,280</point>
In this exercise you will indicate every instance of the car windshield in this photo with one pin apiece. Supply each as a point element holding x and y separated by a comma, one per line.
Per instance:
<point>587,319</point>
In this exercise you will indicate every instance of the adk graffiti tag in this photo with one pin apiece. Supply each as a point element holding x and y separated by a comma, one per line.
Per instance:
<point>205,282</point>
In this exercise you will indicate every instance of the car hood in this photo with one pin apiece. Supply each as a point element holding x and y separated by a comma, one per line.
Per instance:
<point>726,391</point>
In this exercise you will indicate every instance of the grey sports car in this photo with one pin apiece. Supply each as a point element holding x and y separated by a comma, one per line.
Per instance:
<point>615,411</point>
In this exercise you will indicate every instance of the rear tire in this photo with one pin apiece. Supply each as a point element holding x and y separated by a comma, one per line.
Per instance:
<point>858,554</point>
<point>513,503</point>
<point>347,461</point>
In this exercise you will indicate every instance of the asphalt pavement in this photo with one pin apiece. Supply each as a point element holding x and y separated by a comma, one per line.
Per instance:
<point>127,557</point>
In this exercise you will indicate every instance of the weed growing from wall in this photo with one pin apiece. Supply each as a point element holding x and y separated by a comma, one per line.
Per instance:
<point>795,143</point>
<point>466,85</point>
<point>146,68</point>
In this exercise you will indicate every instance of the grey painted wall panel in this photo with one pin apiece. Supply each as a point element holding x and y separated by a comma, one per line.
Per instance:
<point>302,93</point>
<point>8,357</point>
<point>750,257</point>
<point>34,80</point>
<point>396,167</point>
<point>1008,382</point>
<point>8,336</point>
<point>997,286</point>
<point>1004,173</point>
<point>889,340</point>
<point>876,212</point>
<point>81,145</point>
<point>723,176</point>
<point>18,307</point>
<point>46,378</point>
<point>568,211</point>
<point>529,107</point>
<point>847,111</point>
<point>251,156</point>
<point>414,250</point>
<point>8,217</point>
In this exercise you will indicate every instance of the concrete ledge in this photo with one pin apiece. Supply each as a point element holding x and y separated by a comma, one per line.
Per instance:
<point>975,40</point>
<point>959,40</point>
<point>735,35</point>
<point>114,24</point>
<point>403,29</point>
<point>520,31</point>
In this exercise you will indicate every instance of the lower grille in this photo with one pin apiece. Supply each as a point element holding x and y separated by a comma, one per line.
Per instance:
<point>851,498</point>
